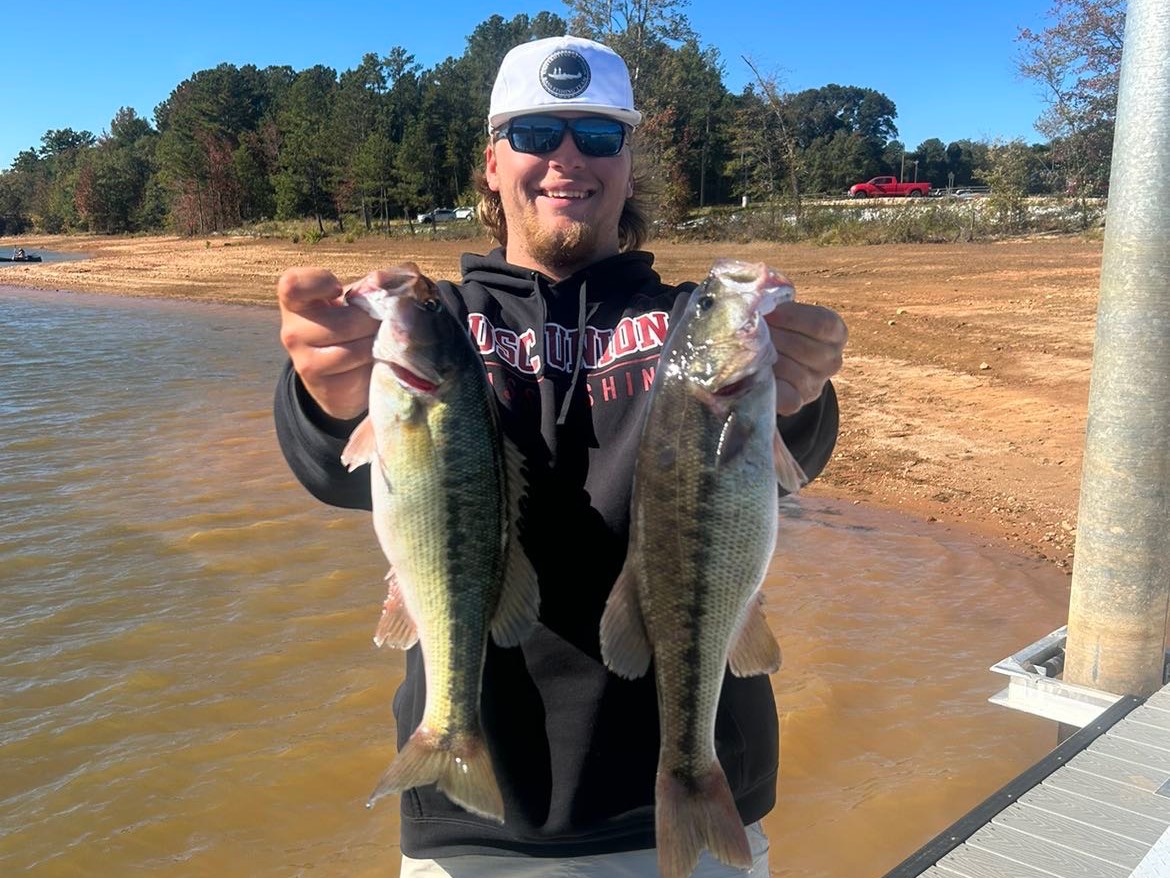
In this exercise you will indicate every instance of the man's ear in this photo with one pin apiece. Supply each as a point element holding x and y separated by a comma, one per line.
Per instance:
<point>490,172</point>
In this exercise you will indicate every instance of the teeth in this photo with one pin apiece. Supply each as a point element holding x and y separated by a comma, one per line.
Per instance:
<point>553,193</point>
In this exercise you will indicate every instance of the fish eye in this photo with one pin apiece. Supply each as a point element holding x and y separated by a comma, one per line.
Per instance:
<point>706,302</point>
<point>433,305</point>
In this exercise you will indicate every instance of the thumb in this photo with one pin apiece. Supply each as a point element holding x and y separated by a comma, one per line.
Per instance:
<point>304,289</point>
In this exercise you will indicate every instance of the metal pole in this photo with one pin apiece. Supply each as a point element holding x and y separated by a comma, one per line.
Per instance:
<point>1121,578</point>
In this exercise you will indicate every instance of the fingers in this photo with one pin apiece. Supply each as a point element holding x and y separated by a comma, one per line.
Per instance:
<point>330,344</point>
<point>810,341</point>
<point>815,321</point>
<point>796,385</point>
<point>337,376</point>
<point>302,289</point>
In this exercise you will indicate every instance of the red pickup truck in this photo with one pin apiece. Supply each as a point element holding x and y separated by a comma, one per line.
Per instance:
<point>886,187</point>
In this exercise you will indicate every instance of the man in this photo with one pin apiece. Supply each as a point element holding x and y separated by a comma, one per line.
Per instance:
<point>563,315</point>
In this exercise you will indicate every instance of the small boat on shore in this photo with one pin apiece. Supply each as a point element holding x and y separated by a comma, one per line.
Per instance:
<point>29,258</point>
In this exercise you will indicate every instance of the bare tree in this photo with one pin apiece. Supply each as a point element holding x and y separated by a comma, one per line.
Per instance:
<point>1076,60</point>
<point>775,102</point>
<point>631,26</point>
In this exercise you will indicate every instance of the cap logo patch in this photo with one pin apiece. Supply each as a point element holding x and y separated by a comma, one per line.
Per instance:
<point>564,74</point>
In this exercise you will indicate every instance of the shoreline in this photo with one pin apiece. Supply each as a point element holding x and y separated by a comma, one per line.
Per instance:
<point>964,391</point>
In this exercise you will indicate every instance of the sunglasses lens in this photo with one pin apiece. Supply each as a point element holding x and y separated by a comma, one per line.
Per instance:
<point>536,134</point>
<point>594,135</point>
<point>598,137</point>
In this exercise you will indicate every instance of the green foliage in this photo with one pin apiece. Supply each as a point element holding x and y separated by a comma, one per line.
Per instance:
<point>114,176</point>
<point>1011,171</point>
<point>377,143</point>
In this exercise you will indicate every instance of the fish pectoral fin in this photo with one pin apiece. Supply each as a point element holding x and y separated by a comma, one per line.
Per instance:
<point>625,646</point>
<point>755,650</point>
<point>395,627</point>
<point>519,605</point>
<point>789,475</point>
<point>361,448</point>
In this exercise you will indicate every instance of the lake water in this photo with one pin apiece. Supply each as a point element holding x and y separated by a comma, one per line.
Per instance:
<point>187,682</point>
<point>46,256</point>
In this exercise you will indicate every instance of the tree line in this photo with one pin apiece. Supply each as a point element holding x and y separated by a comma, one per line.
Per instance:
<point>236,145</point>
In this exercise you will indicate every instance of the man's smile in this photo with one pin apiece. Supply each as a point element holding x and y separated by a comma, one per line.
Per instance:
<point>566,193</point>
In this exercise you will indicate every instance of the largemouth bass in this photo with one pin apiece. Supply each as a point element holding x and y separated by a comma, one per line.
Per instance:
<point>702,530</point>
<point>446,491</point>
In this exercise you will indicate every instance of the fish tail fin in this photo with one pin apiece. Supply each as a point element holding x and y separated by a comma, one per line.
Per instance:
<point>789,474</point>
<point>460,767</point>
<point>698,815</point>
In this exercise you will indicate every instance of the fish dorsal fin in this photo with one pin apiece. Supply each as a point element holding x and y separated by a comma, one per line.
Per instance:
<point>755,650</point>
<point>625,646</point>
<point>519,605</point>
<point>789,475</point>
<point>395,628</point>
<point>361,448</point>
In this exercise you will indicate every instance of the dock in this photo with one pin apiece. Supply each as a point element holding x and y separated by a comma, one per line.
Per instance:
<point>1098,806</point>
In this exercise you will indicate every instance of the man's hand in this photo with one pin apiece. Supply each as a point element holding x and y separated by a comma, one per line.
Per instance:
<point>331,344</point>
<point>810,340</point>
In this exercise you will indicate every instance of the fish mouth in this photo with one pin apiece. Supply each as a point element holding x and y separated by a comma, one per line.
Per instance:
<point>743,379</point>
<point>750,363</point>
<point>735,388</point>
<point>751,327</point>
<point>413,380</point>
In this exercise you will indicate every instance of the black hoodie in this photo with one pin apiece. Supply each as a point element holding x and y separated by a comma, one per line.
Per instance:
<point>575,748</point>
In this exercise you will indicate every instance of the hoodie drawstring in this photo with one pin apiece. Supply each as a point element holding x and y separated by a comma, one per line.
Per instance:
<point>578,356</point>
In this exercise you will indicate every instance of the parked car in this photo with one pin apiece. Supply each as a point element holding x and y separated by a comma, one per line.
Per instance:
<point>438,215</point>
<point>465,213</point>
<point>885,187</point>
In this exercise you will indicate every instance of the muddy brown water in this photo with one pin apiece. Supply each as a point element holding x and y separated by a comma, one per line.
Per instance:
<point>187,682</point>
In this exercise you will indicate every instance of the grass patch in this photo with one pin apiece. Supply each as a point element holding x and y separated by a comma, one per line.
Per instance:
<point>888,221</point>
<point>352,229</point>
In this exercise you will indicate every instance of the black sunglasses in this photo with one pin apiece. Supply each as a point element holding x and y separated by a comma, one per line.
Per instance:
<point>595,136</point>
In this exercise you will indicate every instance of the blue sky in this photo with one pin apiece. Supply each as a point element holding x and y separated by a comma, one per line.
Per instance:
<point>75,62</point>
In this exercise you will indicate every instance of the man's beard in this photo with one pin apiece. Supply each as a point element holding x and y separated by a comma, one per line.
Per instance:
<point>565,247</point>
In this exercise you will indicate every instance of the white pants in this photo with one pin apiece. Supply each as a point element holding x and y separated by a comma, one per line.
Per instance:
<point>631,864</point>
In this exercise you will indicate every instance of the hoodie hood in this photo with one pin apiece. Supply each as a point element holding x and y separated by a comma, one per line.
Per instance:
<point>613,275</point>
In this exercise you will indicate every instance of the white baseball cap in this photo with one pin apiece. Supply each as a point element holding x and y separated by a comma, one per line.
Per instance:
<point>562,73</point>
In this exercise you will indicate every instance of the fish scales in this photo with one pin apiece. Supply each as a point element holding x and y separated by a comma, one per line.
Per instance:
<point>702,532</point>
<point>446,493</point>
<point>713,528</point>
<point>441,495</point>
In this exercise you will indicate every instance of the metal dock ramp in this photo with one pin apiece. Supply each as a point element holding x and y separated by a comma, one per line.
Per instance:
<point>1098,806</point>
